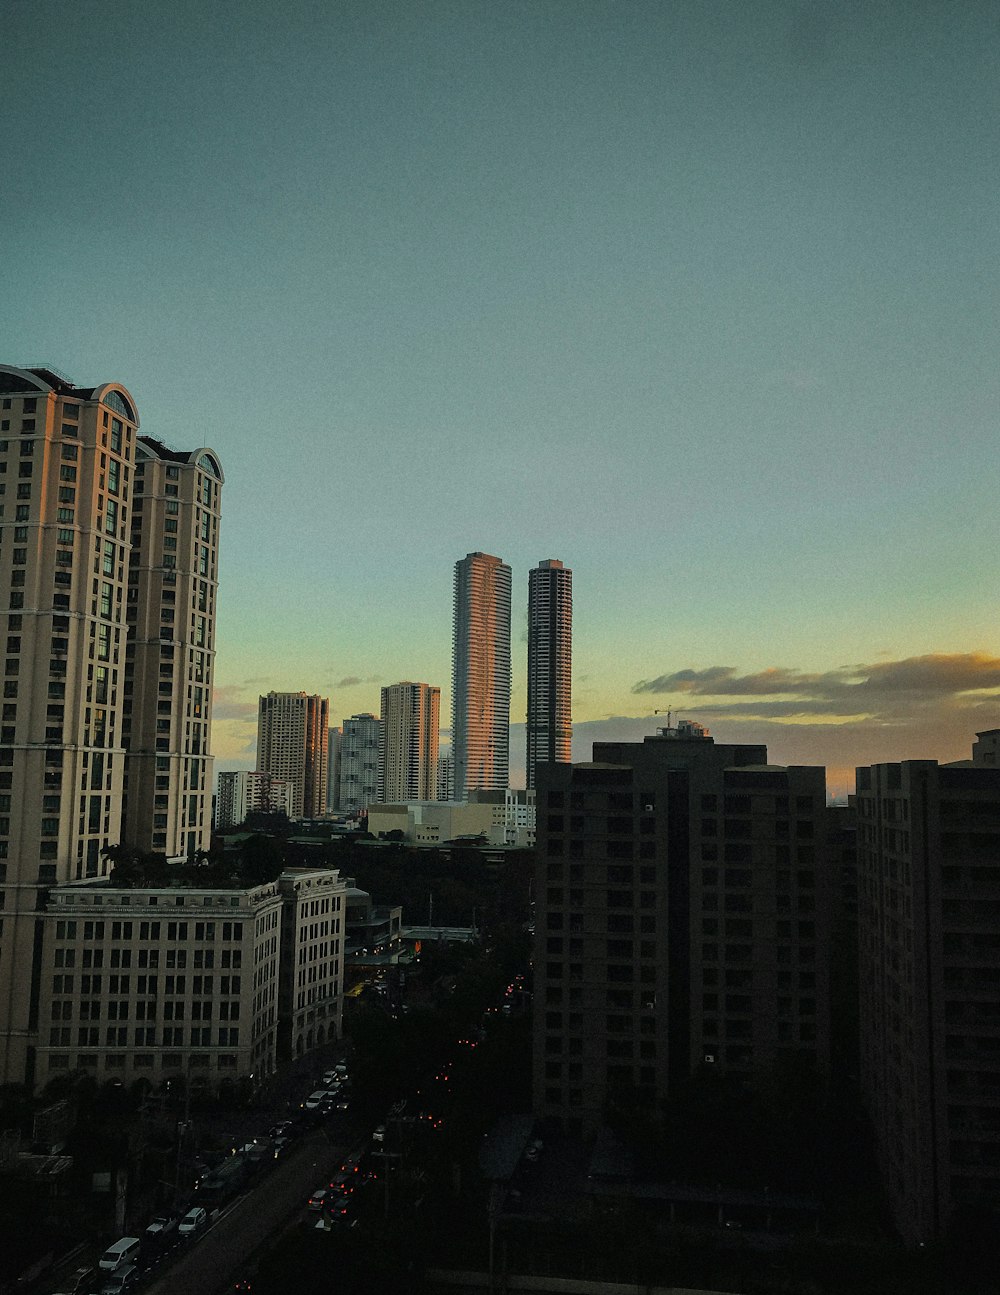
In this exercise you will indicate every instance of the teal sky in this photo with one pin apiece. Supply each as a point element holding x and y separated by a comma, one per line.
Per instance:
<point>699,297</point>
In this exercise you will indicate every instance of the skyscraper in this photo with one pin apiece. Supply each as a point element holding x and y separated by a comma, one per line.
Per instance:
<point>169,660</point>
<point>550,666</point>
<point>359,762</point>
<point>102,742</point>
<point>292,743</point>
<point>480,674</point>
<point>408,742</point>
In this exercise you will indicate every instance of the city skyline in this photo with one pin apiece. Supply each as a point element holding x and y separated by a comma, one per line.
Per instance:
<point>729,275</point>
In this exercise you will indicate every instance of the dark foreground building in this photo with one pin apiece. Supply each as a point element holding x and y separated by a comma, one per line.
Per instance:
<point>682,921</point>
<point>929,937</point>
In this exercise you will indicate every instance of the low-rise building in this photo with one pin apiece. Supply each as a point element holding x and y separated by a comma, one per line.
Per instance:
<point>155,981</point>
<point>500,817</point>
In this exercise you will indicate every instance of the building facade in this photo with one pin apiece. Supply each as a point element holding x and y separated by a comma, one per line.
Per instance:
<point>928,846</point>
<point>170,654</point>
<point>682,921</point>
<point>333,770</point>
<point>481,674</point>
<point>292,744</point>
<point>245,792</point>
<point>550,666</point>
<point>67,455</point>
<point>446,777</point>
<point>311,990</point>
<point>408,742</point>
<point>359,745</point>
<point>157,982</point>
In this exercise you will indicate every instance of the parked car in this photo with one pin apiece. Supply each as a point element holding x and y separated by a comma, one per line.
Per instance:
<point>161,1226</point>
<point>315,1100</point>
<point>193,1221</point>
<point>318,1199</point>
<point>118,1282</point>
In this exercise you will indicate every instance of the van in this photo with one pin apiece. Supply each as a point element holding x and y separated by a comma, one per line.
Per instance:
<point>117,1282</point>
<point>123,1252</point>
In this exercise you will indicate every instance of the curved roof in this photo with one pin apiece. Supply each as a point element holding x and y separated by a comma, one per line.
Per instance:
<point>203,457</point>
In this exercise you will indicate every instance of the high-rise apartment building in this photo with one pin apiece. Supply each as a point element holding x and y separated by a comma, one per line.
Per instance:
<point>550,666</point>
<point>244,792</point>
<point>682,921</point>
<point>292,744</point>
<point>928,880</point>
<point>170,655</point>
<point>359,762</point>
<point>480,673</point>
<point>333,770</point>
<point>446,777</point>
<point>67,455</point>
<point>408,742</point>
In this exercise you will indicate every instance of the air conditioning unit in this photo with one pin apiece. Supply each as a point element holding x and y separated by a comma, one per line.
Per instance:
<point>709,1058</point>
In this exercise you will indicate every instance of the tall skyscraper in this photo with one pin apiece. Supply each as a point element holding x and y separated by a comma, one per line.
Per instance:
<point>93,724</point>
<point>480,674</point>
<point>408,742</point>
<point>292,743</point>
<point>550,666</point>
<point>359,762</point>
<point>170,656</point>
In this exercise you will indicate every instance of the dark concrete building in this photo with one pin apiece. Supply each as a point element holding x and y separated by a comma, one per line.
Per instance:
<point>929,938</point>
<point>682,921</point>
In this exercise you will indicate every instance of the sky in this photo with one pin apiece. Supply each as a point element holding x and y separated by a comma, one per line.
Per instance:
<point>698,297</point>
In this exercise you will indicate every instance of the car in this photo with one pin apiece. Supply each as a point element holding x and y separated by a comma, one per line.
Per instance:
<point>193,1221</point>
<point>342,1184</point>
<point>115,1283</point>
<point>340,1070</point>
<point>343,1103</point>
<point>330,1077</point>
<point>281,1129</point>
<point>161,1226</point>
<point>318,1199</point>
<point>281,1146</point>
<point>315,1100</point>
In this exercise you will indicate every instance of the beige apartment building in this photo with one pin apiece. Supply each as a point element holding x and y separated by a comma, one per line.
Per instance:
<point>170,655</point>
<point>292,744</point>
<point>67,459</point>
<point>408,742</point>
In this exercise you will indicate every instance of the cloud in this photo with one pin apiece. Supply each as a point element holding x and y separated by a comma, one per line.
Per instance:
<point>922,707</point>
<point>854,690</point>
<point>353,680</point>
<point>228,703</point>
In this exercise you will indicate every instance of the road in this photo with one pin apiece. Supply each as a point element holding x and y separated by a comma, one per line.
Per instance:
<point>210,1264</point>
